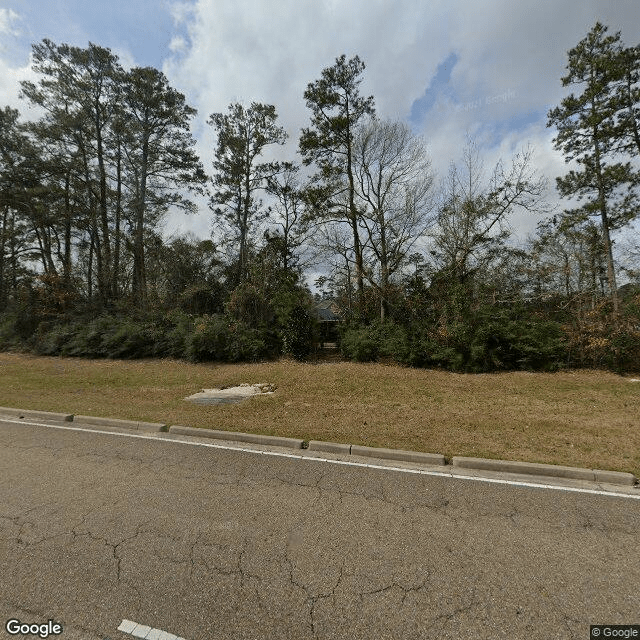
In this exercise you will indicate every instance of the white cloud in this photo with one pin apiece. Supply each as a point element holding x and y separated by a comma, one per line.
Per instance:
<point>8,18</point>
<point>178,44</point>
<point>10,78</point>
<point>511,57</point>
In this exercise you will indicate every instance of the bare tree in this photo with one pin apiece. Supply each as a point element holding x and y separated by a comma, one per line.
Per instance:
<point>473,215</point>
<point>394,187</point>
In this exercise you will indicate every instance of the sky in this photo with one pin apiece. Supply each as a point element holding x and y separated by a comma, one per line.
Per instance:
<point>450,68</point>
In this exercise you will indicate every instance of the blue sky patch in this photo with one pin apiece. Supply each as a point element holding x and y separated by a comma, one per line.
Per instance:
<point>440,80</point>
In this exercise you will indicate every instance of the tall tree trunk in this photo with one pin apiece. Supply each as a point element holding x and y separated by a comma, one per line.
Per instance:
<point>14,255</point>
<point>138,254</point>
<point>3,236</point>
<point>353,220</point>
<point>90,267</point>
<point>66,268</point>
<point>95,248</point>
<point>629,98</point>
<point>116,249</point>
<point>384,269</point>
<point>602,200</point>
<point>105,273</point>
<point>243,267</point>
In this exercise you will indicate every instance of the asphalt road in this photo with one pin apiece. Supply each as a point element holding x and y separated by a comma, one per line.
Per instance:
<point>209,543</point>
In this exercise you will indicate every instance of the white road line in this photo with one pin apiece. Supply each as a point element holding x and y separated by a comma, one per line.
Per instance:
<point>146,632</point>
<point>277,454</point>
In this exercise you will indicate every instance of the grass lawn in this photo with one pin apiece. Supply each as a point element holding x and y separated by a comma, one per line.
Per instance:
<point>577,418</point>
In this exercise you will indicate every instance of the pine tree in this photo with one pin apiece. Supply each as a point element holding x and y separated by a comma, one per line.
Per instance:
<point>159,157</point>
<point>79,89</point>
<point>337,107</point>
<point>588,135</point>
<point>243,134</point>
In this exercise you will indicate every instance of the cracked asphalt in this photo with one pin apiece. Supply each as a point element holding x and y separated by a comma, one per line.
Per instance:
<point>215,544</point>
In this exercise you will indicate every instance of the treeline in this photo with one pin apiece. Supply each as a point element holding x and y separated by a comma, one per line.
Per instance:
<point>421,273</point>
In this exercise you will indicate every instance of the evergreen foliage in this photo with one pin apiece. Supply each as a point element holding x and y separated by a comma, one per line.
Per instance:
<point>86,272</point>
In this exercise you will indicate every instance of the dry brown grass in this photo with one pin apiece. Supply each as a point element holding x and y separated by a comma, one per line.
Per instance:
<point>578,418</point>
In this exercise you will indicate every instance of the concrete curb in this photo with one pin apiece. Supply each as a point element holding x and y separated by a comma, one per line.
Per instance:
<point>433,459</point>
<point>123,424</point>
<point>329,447</point>
<point>274,441</point>
<point>399,454</point>
<point>549,470</point>
<point>22,413</point>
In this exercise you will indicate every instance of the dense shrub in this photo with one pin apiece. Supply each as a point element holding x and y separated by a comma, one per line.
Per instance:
<point>114,337</point>
<point>359,344</point>
<point>491,339</point>
<point>457,337</point>
<point>130,339</point>
<point>599,342</point>
<point>51,338</point>
<point>501,341</point>
<point>17,327</point>
<point>87,338</point>
<point>220,338</point>
<point>296,330</point>
<point>179,327</point>
<point>370,342</point>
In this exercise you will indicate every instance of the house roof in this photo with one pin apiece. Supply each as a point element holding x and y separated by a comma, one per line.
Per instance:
<point>327,311</point>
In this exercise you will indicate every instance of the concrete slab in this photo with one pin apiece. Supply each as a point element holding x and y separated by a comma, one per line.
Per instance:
<point>212,400</point>
<point>529,468</point>
<point>230,395</point>
<point>141,631</point>
<point>127,626</point>
<point>615,477</point>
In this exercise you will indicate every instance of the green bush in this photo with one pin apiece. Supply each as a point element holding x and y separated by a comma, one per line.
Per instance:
<point>107,337</point>
<point>220,338</point>
<point>296,330</point>
<point>128,339</point>
<point>490,339</point>
<point>358,343</point>
<point>378,339</point>
<point>87,341</point>
<point>177,334</point>
<point>501,340</point>
<point>17,327</point>
<point>9,338</point>
<point>50,339</point>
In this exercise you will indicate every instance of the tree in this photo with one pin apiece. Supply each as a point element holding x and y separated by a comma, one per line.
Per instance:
<point>472,220</point>
<point>394,183</point>
<point>80,92</point>
<point>337,107</point>
<point>243,135</point>
<point>160,160</point>
<point>190,273</point>
<point>569,260</point>
<point>291,229</point>
<point>16,178</point>
<point>626,98</point>
<point>587,135</point>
